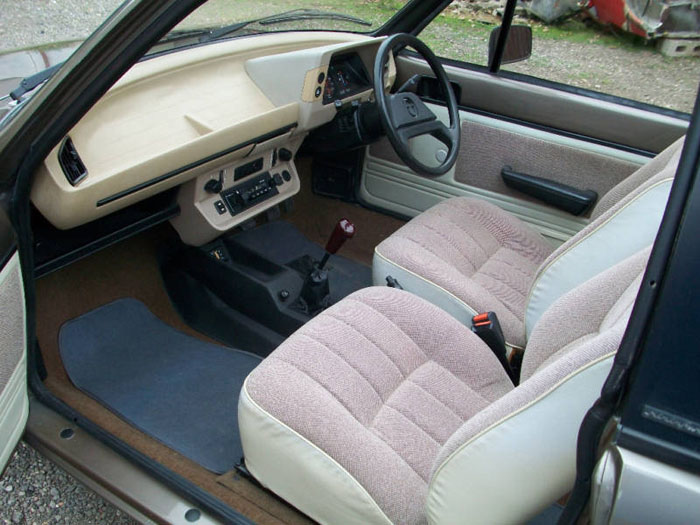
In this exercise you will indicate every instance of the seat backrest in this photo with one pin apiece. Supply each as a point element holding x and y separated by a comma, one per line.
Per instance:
<point>516,456</point>
<point>625,220</point>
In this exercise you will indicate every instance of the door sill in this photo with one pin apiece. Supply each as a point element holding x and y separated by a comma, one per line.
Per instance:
<point>113,477</point>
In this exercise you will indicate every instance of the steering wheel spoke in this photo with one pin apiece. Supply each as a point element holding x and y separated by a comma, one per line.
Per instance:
<point>445,135</point>
<point>405,116</point>
<point>434,128</point>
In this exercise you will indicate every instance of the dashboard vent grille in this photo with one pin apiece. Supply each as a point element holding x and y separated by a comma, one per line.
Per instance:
<point>71,163</point>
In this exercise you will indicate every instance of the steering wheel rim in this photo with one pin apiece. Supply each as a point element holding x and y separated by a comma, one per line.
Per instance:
<point>405,116</point>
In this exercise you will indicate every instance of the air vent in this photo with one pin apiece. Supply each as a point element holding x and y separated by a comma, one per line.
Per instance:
<point>70,162</point>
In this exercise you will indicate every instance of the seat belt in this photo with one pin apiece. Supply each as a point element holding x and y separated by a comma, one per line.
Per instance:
<point>487,327</point>
<point>393,283</point>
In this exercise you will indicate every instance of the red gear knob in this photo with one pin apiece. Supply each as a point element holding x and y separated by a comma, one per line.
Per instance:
<point>343,231</point>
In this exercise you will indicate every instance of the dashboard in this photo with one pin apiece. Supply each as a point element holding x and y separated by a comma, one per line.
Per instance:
<point>199,117</point>
<point>347,76</point>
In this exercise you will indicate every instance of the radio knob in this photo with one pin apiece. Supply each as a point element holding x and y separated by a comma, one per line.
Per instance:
<point>213,186</point>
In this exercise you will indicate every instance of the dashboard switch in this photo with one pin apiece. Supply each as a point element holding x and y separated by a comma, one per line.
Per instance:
<point>220,207</point>
<point>285,155</point>
<point>287,176</point>
<point>277,178</point>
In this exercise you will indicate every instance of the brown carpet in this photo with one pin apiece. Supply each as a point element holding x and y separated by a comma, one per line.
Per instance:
<point>130,269</point>
<point>316,217</point>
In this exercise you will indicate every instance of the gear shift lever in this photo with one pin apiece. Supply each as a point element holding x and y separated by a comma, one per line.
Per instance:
<point>343,231</point>
<point>315,294</point>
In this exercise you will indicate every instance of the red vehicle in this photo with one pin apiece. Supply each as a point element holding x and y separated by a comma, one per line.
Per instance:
<point>677,23</point>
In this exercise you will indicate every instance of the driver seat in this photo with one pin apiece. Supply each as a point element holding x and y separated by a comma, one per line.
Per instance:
<point>468,256</point>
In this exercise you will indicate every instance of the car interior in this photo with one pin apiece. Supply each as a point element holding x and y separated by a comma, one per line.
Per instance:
<point>326,276</point>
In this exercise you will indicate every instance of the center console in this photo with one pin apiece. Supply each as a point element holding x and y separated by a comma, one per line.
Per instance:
<point>216,202</point>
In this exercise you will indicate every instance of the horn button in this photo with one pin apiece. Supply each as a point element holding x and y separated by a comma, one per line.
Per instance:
<point>408,109</point>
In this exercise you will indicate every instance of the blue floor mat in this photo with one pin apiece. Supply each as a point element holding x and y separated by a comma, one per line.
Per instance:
<point>173,387</point>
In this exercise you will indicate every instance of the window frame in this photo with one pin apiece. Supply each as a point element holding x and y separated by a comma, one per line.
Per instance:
<point>494,67</point>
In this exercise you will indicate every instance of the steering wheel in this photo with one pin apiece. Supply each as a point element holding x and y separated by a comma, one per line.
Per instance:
<point>404,115</point>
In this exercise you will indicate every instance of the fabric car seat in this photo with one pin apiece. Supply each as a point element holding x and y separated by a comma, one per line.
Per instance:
<point>386,409</point>
<point>468,256</point>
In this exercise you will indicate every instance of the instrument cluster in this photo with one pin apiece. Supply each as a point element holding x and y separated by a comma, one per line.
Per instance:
<point>347,76</point>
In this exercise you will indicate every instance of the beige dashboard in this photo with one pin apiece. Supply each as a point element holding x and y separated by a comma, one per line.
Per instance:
<point>192,115</point>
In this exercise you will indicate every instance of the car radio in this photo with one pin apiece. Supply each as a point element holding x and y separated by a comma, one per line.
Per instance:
<point>250,193</point>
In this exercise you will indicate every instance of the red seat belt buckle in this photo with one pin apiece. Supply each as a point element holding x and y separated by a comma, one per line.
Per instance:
<point>487,327</point>
<point>481,320</point>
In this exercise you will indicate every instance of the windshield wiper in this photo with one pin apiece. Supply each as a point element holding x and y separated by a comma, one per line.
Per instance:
<point>32,81</point>
<point>287,16</point>
<point>312,14</point>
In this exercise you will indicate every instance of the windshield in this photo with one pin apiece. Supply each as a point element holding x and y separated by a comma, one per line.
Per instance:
<point>245,17</point>
<point>35,36</point>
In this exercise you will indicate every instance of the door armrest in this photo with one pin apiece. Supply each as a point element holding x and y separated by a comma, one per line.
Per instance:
<point>562,196</point>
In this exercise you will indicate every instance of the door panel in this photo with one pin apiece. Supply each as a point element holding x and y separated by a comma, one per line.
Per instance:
<point>562,110</point>
<point>488,144</point>
<point>14,405</point>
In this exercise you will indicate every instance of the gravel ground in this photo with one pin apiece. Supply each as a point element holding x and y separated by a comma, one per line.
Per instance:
<point>644,74</point>
<point>35,491</point>
<point>29,23</point>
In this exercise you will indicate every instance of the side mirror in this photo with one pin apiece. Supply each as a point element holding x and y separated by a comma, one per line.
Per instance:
<point>518,46</point>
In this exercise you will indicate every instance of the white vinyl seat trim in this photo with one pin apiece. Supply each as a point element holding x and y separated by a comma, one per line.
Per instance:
<point>299,471</point>
<point>422,287</point>
<point>419,285</point>
<point>488,480</point>
<point>624,233</point>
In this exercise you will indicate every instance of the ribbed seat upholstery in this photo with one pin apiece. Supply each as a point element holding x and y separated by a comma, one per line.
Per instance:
<point>392,376</point>
<point>473,250</point>
<point>385,409</point>
<point>468,256</point>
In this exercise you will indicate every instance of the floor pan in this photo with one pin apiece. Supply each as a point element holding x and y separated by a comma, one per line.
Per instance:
<point>180,390</point>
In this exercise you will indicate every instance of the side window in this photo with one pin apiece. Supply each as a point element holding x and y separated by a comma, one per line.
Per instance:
<point>588,55</point>
<point>577,51</point>
<point>460,34</point>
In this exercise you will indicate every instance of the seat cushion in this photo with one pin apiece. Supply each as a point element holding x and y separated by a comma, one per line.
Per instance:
<point>518,455</point>
<point>467,256</point>
<point>346,418</point>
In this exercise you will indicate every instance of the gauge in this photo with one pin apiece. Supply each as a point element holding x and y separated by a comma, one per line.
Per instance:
<point>329,90</point>
<point>346,76</point>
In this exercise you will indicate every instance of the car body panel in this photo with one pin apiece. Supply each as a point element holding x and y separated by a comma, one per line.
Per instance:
<point>106,472</point>
<point>624,478</point>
